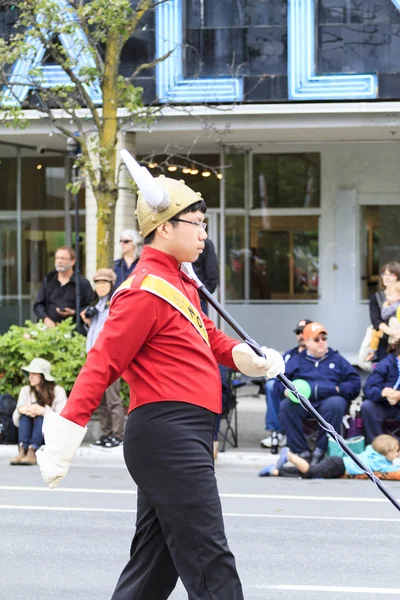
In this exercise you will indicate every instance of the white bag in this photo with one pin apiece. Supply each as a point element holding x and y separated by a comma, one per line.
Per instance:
<point>364,350</point>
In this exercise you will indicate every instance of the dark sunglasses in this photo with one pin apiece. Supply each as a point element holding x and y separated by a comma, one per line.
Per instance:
<point>124,241</point>
<point>298,331</point>
<point>320,338</point>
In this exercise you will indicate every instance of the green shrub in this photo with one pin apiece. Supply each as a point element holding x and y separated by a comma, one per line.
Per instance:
<point>62,346</point>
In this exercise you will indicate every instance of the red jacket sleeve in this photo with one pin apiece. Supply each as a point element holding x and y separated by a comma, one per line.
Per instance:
<point>221,344</point>
<point>132,321</point>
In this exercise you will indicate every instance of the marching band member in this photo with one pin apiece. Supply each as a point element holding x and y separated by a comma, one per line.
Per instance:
<point>168,351</point>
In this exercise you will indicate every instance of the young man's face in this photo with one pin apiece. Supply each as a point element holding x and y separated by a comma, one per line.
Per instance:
<point>186,238</point>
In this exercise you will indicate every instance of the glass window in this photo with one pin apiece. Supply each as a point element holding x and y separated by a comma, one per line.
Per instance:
<point>380,227</point>
<point>235,257</point>
<point>281,262</point>
<point>200,173</point>
<point>41,236</point>
<point>286,180</point>
<point>43,183</point>
<point>8,178</point>
<point>234,180</point>
<point>8,259</point>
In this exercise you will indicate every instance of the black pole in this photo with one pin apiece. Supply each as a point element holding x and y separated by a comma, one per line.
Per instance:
<point>305,403</point>
<point>77,258</point>
<point>73,151</point>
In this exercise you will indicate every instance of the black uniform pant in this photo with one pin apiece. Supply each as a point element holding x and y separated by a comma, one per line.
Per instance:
<point>179,526</point>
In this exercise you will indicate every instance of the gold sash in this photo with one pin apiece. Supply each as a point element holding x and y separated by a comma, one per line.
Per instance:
<point>161,288</point>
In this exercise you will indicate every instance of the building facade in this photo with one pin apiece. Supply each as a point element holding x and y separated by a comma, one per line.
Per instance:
<point>285,115</point>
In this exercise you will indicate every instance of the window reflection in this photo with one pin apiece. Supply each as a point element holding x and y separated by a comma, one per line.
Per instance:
<point>380,227</point>
<point>200,172</point>
<point>8,178</point>
<point>43,183</point>
<point>8,259</point>
<point>281,262</point>
<point>286,180</point>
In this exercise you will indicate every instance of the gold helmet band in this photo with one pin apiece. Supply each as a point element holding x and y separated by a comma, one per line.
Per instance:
<point>160,198</point>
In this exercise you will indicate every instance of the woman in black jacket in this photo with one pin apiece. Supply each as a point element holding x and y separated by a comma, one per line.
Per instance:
<point>390,273</point>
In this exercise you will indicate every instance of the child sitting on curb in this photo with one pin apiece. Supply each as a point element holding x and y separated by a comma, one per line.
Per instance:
<point>379,457</point>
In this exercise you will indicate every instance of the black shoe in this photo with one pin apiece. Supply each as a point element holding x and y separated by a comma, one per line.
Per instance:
<point>112,442</point>
<point>101,441</point>
<point>317,457</point>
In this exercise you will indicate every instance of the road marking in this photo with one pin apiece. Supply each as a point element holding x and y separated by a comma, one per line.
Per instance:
<point>240,515</point>
<point>222,495</point>
<point>333,589</point>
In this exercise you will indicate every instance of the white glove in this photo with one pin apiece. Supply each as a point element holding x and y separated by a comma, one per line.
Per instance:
<point>62,438</point>
<point>249,363</point>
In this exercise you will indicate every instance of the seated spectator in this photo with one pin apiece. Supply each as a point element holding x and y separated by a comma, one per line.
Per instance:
<point>131,248</point>
<point>379,457</point>
<point>334,384</point>
<point>390,323</point>
<point>272,422</point>
<point>34,401</point>
<point>382,395</point>
<point>390,274</point>
<point>111,410</point>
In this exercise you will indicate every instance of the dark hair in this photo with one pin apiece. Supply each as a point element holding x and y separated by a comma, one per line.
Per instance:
<point>392,267</point>
<point>200,205</point>
<point>394,348</point>
<point>46,394</point>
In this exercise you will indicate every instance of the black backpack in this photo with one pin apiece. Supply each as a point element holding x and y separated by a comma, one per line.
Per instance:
<point>8,431</point>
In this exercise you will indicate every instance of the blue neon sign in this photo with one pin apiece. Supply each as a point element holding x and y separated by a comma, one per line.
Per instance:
<point>76,45</point>
<point>303,82</point>
<point>171,85</point>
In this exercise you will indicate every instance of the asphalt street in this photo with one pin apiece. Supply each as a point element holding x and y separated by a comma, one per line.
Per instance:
<point>293,539</point>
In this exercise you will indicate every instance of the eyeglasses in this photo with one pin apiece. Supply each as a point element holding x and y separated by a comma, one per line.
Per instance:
<point>124,241</point>
<point>321,338</point>
<point>196,223</point>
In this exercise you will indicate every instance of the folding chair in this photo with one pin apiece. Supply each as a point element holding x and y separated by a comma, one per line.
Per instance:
<point>228,422</point>
<point>392,427</point>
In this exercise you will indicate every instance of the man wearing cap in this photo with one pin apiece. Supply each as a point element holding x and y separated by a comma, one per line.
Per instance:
<point>168,351</point>
<point>272,422</point>
<point>334,384</point>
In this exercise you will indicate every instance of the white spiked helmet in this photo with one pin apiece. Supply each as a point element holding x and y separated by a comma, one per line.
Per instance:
<point>159,198</point>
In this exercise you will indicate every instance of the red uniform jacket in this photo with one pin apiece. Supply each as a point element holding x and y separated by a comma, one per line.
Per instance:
<point>154,347</point>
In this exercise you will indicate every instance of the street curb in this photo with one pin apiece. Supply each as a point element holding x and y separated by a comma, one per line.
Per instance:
<point>230,457</point>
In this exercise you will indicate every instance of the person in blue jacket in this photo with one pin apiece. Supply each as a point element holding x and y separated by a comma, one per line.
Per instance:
<point>334,384</point>
<point>273,400</point>
<point>382,395</point>
<point>131,248</point>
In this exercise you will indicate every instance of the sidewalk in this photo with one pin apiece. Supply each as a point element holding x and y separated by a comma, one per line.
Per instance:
<point>251,419</point>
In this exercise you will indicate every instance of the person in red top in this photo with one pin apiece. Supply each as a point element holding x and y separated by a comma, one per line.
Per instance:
<point>168,351</point>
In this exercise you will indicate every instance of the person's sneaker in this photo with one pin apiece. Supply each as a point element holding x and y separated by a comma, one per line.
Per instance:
<point>112,442</point>
<point>100,442</point>
<point>317,456</point>
<point>266,442</point>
